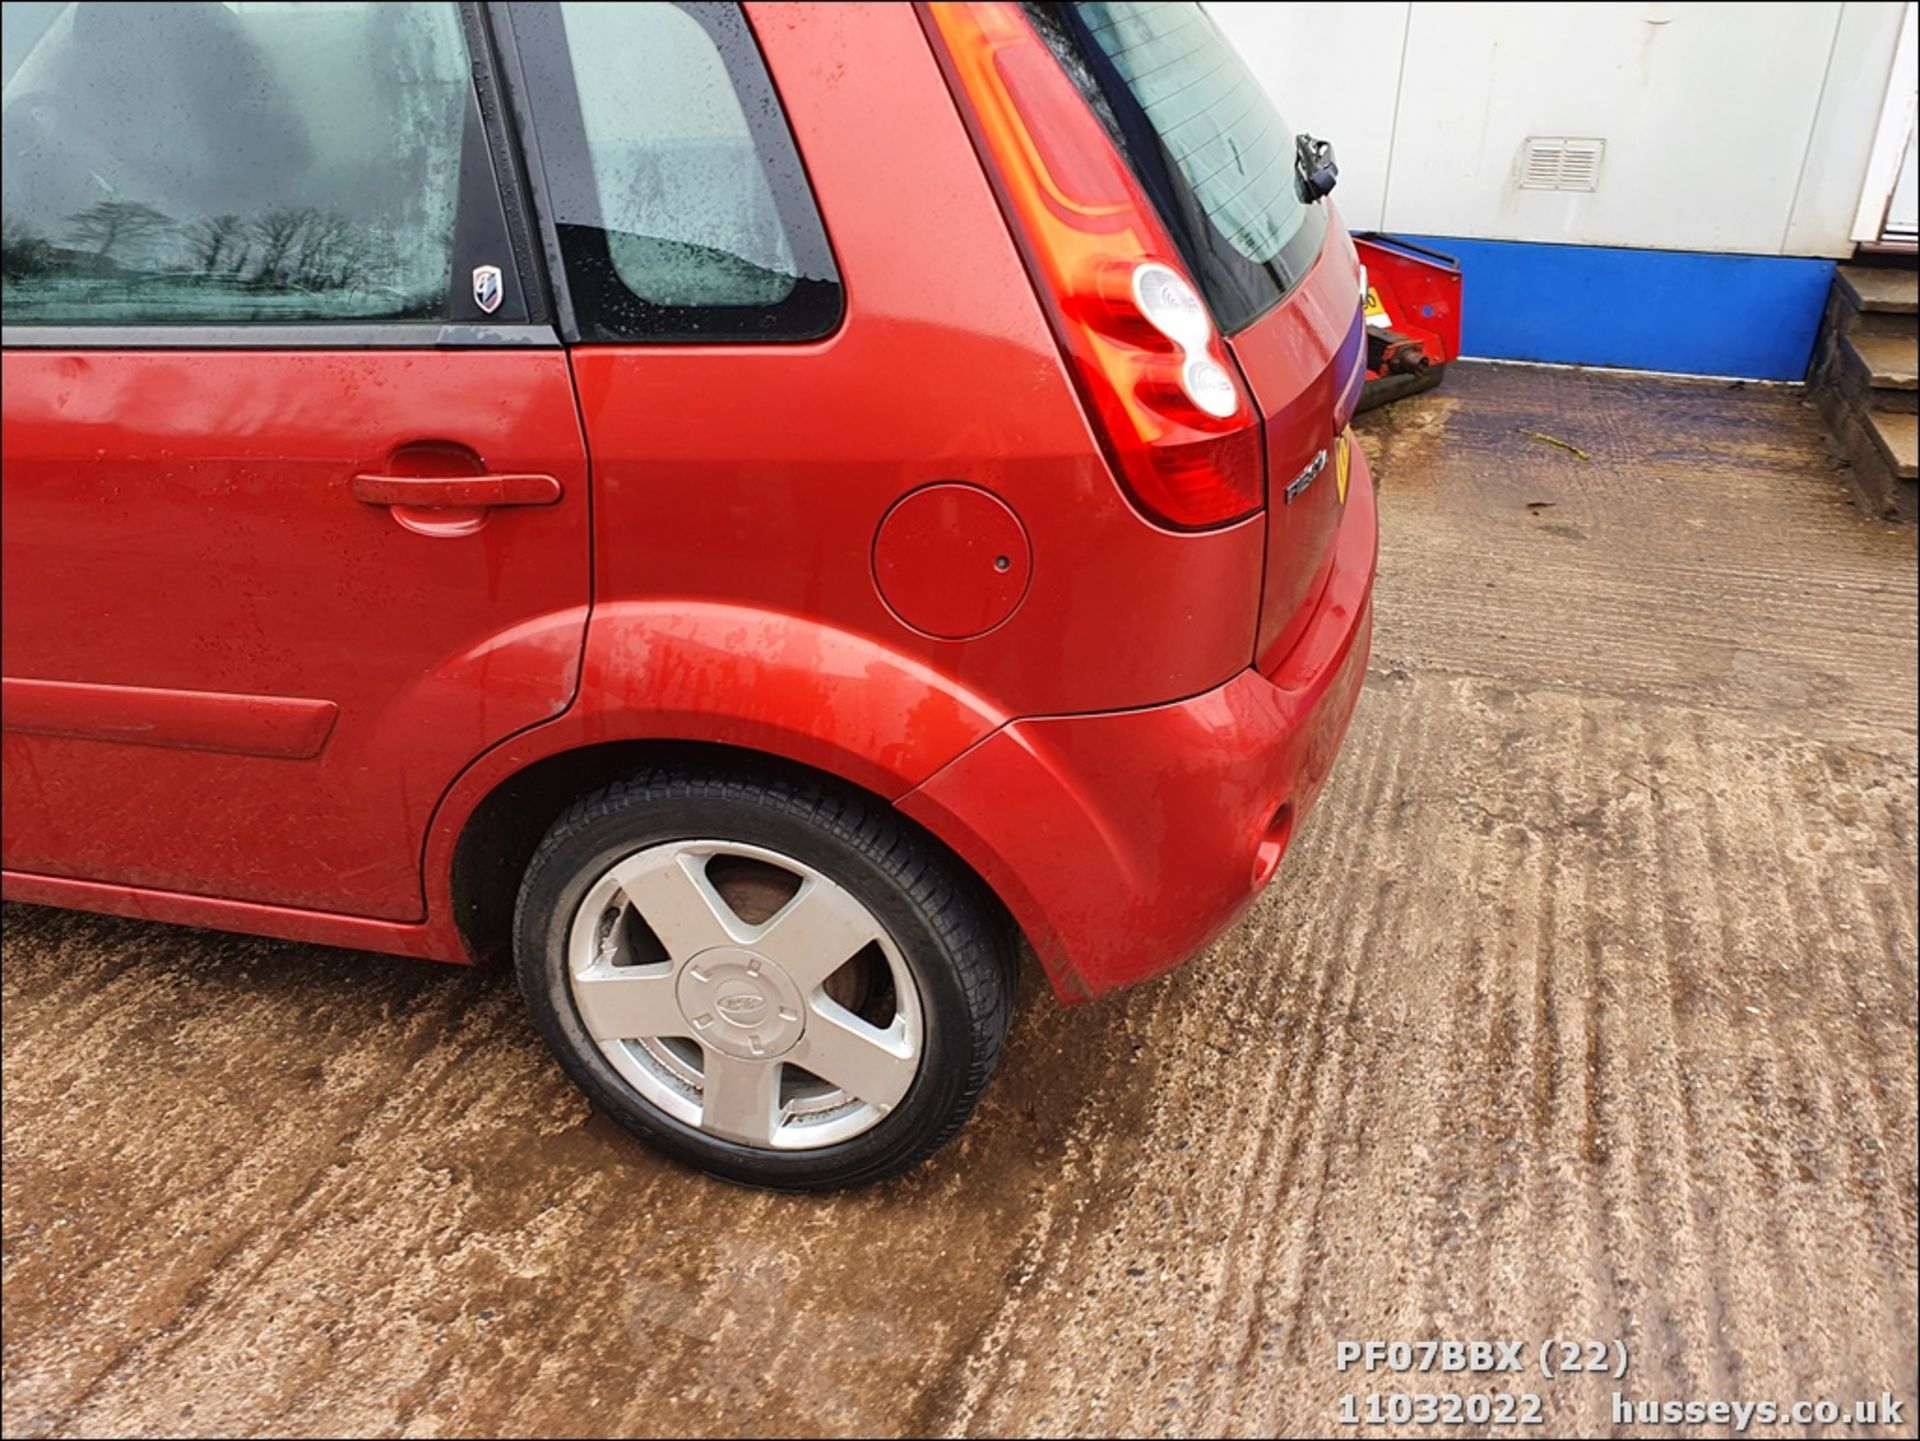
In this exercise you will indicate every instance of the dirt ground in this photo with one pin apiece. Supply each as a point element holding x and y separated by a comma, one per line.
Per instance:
<point>1584,1008</point>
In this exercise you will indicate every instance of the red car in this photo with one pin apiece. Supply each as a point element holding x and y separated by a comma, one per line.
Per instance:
<point>753,510</point>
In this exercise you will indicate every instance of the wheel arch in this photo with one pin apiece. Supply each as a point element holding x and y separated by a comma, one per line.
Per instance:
<point>502,830</point>
<point>692,682</point>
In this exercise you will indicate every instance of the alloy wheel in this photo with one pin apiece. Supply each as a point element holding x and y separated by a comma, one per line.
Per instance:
<point>745,994</point>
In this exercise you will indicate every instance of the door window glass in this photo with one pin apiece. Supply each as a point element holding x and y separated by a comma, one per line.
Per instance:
<point>681,207</point>
<point>211,163</point>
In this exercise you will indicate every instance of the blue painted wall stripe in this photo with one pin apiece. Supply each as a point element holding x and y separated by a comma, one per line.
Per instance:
<point>1689,312</point>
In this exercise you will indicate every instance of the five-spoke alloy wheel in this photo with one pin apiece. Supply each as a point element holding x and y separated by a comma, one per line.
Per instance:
<point>781,982</point>
<point>766,1055</point>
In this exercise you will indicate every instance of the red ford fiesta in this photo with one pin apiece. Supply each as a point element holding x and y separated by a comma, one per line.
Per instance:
<point>752,509</point>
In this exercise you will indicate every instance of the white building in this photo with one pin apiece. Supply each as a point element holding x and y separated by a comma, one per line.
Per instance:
<point>1664,185</point>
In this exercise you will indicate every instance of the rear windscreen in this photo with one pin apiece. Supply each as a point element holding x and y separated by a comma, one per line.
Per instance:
<point>1204,139</point>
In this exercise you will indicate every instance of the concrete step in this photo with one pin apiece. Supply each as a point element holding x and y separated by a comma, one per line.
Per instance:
<point>1898,437</point>
<point>1882,289</point>
<point>1863,380</point>
<point>1892,362</point>
<point>1877,485</point>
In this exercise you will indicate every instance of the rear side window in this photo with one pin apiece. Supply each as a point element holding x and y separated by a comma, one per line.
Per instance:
<point>679,202</point>
<point>1206,142</point>
<point>207,163</point>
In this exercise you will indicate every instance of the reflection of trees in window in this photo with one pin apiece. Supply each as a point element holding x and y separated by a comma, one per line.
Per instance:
<point>298,262</point>
<point>116,222</point>
<point>297,249</point>
<point>22,253</point>
<point>278,234</point>
<point>218,245</point>
<point>307,249</point>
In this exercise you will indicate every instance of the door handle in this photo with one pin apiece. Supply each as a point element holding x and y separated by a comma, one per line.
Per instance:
<point>465,492</point>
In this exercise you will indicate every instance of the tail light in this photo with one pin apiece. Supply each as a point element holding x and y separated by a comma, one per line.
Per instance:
<point>1173,412</point>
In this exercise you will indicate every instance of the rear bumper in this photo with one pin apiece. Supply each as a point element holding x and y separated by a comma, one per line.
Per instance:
<point>1124,842</point>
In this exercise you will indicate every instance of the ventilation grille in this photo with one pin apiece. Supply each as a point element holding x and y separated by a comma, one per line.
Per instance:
<point>1558,162</point>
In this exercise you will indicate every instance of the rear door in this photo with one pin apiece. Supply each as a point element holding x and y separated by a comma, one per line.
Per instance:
<point>295,505</point>
<point>1276,266</point>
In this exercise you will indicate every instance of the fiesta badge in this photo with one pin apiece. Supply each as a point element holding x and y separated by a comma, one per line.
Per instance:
<point>488,287</point>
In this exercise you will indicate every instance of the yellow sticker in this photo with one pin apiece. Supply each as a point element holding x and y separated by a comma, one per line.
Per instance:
<point>1374,311</point>
<point>1340,463</point>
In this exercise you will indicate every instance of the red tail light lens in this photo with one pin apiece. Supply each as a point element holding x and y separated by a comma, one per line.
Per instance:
<point>1173,411</point>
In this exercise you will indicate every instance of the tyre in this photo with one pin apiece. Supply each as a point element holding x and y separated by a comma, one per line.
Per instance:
<point>771,979</point>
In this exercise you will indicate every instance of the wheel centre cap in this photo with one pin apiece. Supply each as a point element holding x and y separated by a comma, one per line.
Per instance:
<point>740,1002</point>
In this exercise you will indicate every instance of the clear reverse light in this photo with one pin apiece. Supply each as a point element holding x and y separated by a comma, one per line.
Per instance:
<point>1171,306</point>
<point>1209,387</point>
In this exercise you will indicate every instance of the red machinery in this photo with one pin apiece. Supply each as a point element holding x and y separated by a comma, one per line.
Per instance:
<point>1413,317</point>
